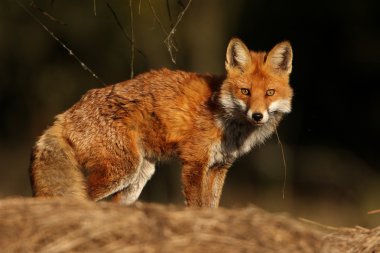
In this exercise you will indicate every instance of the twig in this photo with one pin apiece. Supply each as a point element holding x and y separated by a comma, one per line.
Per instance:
<point>71,53</point>
<point>169,39</point>
<point>45,13</point>
<point>284,161</point>
<point>374,211</point>
<point>132,40</point>
<point>95,7</point>
<point>125,34</point>
<point>179,2</point>
<point>169,13</point>
<point>139,7</point>
<point>157,18</point>
<point>326,227</point>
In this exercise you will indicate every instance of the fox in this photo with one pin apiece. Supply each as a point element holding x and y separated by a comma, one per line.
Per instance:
<point>107,144</point>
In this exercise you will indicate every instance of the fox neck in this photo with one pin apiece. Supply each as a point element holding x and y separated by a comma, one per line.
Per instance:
<point>242,136</point>
<point>239,135</point>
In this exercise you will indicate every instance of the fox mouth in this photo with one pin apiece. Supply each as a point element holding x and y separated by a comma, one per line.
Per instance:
<point>256,123</point>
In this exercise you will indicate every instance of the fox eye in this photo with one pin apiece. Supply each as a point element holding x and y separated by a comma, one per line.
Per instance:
<point>270,92</point>
<point>245,91</point>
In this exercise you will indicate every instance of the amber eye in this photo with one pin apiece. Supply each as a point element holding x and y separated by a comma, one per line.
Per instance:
<point>270,92</point>
<point>245,91</point>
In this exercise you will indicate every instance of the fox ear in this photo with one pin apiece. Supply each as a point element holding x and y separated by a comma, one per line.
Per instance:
<point>280,58</point>
<point>238,56</point>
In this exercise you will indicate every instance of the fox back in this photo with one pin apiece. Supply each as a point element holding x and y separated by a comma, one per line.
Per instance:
<point>107,144</point>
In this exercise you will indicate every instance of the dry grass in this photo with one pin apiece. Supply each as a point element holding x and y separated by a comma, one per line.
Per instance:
<point>63,225</point>
<point>352,240</point>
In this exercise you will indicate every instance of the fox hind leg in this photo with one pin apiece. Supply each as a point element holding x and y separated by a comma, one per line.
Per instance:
<point>107,177</point>
<point>131,193</point>
<point>113,170</point>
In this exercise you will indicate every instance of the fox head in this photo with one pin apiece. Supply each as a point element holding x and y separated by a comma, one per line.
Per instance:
<point>257,87</point>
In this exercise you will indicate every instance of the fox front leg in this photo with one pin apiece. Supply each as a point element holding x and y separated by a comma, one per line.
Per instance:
<point>213,185</point>
<point>202,186</point>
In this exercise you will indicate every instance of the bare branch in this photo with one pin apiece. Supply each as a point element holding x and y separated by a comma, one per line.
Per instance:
<point>374,211</point>
<point>169,41</point>
<point>169,13</point>
<point>132,40</point>
<point>95,7</point>
<point>45,13</point>
<point>126,36</point>
<point>157,18</point>
<point>284,161</point>
<point>179,2</point>
<point>71,53</point>
<point>139,7</point>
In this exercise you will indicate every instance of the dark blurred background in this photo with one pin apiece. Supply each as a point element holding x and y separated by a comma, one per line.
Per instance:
<point>331,139</point>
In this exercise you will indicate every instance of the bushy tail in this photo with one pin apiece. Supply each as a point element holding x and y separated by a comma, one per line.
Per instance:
<point>54,171</point>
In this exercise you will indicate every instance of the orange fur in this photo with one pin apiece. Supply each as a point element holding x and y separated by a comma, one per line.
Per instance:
<point>108,142</point>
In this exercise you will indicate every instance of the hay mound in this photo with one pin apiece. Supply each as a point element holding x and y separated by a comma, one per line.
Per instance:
<point>63,225</point>
<point>352,240</point>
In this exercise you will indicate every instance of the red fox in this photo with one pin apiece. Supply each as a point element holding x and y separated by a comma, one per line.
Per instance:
<point>107,144</point>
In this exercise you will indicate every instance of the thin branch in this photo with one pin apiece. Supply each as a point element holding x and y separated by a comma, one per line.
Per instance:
<point>125,34</point>
<point>139,7</point>
<point>169,13</point>
<point>158,20</point>
<point>95,7</point>
<point>117,20</point>
<point>169,39</point>
<point>71,53</point>
<point>284,161</point>
<point>179,2</point>
<point>374,211</point>
<point>132,40</point>
<point>45,13</point>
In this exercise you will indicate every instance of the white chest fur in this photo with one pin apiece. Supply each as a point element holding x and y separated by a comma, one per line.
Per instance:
<point>238,139</point>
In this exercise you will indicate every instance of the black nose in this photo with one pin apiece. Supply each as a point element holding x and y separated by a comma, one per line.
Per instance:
<point>257,116</point>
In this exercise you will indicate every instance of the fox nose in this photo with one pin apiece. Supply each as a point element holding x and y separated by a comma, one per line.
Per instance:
<point>257,116</point>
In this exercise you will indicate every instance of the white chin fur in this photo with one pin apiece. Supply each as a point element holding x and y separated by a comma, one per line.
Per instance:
<point>282,105</point>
